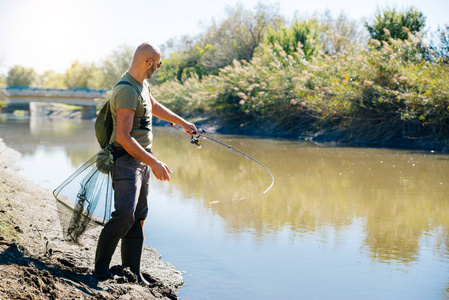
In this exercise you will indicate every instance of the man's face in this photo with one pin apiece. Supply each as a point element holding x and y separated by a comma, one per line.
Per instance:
<point>150,71</point>
<point>153,68</point>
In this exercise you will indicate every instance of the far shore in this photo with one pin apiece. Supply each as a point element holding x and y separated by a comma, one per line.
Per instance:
<point>334,136</point>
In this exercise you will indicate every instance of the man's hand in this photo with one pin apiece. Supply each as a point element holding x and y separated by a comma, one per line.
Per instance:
<point>161,171</point>
<point>189,128</point>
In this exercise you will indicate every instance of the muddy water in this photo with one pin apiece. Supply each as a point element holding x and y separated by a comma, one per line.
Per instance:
<point>339,223</point>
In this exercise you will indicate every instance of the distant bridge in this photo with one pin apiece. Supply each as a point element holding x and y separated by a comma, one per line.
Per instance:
<point>18,96</point>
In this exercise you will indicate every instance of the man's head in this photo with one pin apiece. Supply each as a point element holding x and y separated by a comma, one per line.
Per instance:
<point>147,59</point>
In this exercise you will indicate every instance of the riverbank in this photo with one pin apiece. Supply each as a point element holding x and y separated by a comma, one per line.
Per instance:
<point>36,263</point>
<point>393,134</point>
<point>356,135</point>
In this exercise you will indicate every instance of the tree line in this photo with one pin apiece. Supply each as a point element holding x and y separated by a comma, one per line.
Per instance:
<point>242,35</point>
<point>327,76</point>
<point>80,75</point>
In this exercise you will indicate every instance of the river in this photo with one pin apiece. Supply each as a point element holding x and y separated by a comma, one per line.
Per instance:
<point>339,223</point>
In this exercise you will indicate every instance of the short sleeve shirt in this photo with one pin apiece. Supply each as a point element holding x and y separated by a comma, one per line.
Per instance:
<point>125,96</point>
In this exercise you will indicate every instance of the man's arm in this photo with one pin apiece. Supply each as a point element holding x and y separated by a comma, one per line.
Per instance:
<point>125,117</point>
<point>166,114</point>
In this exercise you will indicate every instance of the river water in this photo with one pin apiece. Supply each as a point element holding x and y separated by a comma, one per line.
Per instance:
<point>339,223</point>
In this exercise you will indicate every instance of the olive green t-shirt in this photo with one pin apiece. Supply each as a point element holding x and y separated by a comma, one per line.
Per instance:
<point>125,96</point>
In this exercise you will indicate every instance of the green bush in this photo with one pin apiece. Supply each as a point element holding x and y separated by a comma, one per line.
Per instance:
<point>375,95</point>
<point>390,23</point>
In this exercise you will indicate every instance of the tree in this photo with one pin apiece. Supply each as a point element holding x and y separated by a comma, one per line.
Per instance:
<point>183,59</point>
<point>51,79</point>
<point>339,34</point>
<point>170,69</point>
<point>77,76</point>
<point>115,65</point>
<point>301,33</point>
<point>20,76</point>
<point>96,79</point>
<point>2,81</point>
<point>394,24</point>
<point>83,75</point>
<point>238,36</point>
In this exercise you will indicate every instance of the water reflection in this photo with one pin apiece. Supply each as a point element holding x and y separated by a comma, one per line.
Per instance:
<point>75,137</point>
<point>400,196</point>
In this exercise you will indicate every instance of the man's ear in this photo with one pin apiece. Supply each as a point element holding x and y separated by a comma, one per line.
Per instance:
<point>150,63</point>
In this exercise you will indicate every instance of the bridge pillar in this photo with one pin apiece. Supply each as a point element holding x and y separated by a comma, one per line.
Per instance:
<point>88,112</point>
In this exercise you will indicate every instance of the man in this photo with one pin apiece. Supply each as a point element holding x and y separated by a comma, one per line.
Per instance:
<point>132,138</point>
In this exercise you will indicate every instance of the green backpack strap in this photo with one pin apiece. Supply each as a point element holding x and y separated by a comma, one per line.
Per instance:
<point>130,84</point>
<point>104,122</point>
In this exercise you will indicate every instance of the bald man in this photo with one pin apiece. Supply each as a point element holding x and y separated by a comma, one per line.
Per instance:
<point>132,107</point>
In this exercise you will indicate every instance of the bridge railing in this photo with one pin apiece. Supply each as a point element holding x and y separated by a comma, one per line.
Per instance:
<point>50,92</point>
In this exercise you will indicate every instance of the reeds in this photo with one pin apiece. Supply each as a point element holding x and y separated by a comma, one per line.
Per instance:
<point>383,92</point>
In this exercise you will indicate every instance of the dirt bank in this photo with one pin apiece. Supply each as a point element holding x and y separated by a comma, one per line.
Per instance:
<point>36,263</point>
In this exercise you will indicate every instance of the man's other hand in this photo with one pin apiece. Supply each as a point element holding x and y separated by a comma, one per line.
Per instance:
<point>161,171</point>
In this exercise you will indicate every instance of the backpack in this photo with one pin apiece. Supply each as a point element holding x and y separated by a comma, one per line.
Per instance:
<point>104,123</point>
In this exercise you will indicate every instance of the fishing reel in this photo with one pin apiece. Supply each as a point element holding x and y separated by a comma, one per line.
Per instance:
<point>195,140</point>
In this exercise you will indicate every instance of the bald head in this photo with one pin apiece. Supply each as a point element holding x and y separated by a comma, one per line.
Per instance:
<point>146,51</point>
<point>146,60</point>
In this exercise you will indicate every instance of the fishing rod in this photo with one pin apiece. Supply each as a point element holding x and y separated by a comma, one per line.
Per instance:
<point>197,141</point>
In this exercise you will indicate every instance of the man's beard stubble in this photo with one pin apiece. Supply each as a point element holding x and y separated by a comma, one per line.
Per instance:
<point>150,72</point>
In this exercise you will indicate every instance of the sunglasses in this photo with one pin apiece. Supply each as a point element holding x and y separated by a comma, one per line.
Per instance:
<point>159,64</point>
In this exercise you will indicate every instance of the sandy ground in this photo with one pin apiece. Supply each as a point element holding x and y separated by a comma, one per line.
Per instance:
<point>36,263</point>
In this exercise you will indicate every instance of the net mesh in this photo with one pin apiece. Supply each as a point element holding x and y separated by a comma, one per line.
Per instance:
<point>86,195</point>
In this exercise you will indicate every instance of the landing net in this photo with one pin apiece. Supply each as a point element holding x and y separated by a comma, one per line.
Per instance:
<point>87,191</point>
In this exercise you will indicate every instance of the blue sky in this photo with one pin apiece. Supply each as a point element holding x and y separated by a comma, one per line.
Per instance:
<point>51,34</point>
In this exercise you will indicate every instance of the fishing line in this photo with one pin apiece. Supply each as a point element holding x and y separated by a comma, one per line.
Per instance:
<point>196,141</point>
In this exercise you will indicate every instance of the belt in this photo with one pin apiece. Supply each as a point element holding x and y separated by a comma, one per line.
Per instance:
<point>119,151</point>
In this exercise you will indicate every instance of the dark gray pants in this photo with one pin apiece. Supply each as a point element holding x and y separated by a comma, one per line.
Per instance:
<point>131,180</point>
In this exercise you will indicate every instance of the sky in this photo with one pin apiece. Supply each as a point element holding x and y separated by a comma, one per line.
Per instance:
<point>51,34</point>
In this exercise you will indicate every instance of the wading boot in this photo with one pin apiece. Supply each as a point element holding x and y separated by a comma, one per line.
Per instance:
<point>131,256</point>
<point>105,249</point>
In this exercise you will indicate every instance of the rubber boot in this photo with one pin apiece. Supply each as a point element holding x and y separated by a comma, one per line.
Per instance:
<point>131,256</point>
<point>105,249</point>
